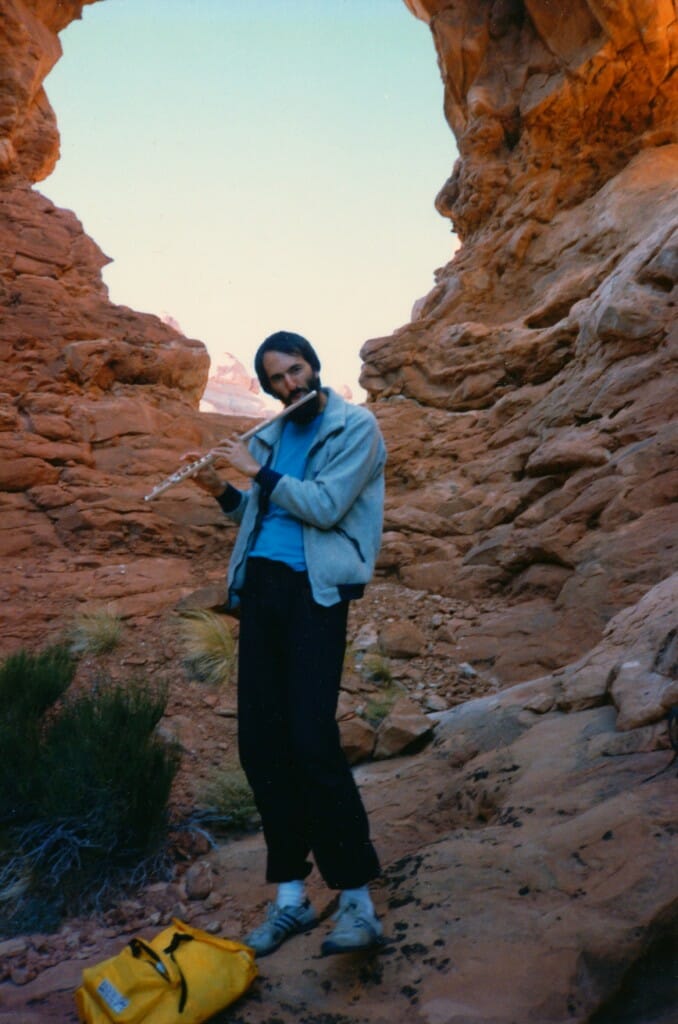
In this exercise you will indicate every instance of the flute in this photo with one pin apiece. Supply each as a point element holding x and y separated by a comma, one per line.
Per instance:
<point>192,468</point>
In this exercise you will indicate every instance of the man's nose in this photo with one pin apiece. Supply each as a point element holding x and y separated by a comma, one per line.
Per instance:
<point>290,382</point>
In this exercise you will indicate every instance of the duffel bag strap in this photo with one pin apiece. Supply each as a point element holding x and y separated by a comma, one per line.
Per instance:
<point>140,948</point>
<point>177,939</point>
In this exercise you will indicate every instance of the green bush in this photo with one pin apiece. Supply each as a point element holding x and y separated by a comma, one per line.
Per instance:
<point>99,788</point>
<point>30,684</point>
<point>101,761</point>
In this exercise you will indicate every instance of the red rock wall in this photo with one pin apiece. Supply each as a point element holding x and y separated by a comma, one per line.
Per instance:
<point>529,404</point>
<point>527,407</point>
<point>96,401</point>
<point>29,48</point>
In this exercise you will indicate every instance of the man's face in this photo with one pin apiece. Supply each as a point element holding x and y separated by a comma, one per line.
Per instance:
<point>290,378</point>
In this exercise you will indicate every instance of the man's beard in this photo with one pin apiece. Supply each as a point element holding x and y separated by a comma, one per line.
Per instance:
<point>309,410</point>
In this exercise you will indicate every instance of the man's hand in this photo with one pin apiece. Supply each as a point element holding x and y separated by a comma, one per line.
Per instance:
<point>234,452</point>
<point>238,455</point>
<point>206,478</point>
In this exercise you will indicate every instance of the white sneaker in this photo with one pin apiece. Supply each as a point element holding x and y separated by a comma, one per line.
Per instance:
<point>280,924</point>
<point>355,929</point>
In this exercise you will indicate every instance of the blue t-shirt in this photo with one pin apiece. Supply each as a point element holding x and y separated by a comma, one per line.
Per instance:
<point>280,537</point>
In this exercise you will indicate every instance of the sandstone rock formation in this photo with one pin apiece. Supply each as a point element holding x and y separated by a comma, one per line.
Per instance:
<point>528,876</point>
<point>97,401</point>
<point>530,405</point>
<point>528,411</point>
<point>232,391</point>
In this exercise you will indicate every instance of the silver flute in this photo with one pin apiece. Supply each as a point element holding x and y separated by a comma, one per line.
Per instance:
<point>191,468</point>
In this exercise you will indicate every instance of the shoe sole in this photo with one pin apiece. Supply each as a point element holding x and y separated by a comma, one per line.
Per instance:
<point>290,935</point>
<point>330,948</point>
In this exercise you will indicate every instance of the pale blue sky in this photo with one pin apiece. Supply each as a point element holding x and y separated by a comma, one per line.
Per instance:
<point>257,166</point>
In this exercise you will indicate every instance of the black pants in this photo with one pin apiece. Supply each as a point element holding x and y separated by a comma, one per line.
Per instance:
<point>290,662</point>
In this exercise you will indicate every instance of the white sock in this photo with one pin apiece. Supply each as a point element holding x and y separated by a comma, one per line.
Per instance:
<point>291,894</point>
<point>360,896</point>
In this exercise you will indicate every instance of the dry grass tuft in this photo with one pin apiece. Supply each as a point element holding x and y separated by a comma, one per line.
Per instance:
<point>376,668</point>
<point>209,646</point>
<point>95,631</point>
<point>228,802</point>
<point>377,709</point>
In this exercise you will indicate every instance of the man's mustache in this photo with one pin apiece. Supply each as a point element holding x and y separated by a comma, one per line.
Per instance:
<point>299,393</point>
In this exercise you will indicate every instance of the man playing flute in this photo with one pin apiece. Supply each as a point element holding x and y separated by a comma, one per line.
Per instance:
<point>309,532</point>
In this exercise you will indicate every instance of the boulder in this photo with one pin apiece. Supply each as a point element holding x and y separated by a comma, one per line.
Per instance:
<point>404,728</point>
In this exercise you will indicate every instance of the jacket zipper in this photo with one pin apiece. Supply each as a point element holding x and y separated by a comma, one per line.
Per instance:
<point>256,526</point>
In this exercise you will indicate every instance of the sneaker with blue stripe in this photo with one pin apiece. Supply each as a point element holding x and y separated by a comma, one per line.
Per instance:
<point>356,929</point>
<point>280,924</point>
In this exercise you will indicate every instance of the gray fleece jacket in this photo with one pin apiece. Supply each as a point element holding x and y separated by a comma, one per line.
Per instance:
<point>340,501</point>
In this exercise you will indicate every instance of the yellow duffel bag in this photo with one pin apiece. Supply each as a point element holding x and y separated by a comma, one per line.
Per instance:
<point>182,976</point>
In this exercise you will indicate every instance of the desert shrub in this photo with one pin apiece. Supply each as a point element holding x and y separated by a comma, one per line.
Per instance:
<point>30,684</point>
<point>209,646</point>
<point>227,802</point>
<point>95,631</point>
<point>101,759</point>
<point>378,708</point>
<point>97,818</point>
<point>376,668</point>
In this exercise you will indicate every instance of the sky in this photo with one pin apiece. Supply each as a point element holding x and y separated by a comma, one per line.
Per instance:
<point>251,167</point>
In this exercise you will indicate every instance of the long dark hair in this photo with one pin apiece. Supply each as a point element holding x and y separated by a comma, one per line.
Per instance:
<point>289,343</point>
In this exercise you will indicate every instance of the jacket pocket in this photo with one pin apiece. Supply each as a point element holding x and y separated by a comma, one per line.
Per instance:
<point>351,540</point>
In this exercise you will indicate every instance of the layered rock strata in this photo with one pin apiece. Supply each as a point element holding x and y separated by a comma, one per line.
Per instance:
<point>528,414</point>
<point>97,401</point>
<point>530,405</point>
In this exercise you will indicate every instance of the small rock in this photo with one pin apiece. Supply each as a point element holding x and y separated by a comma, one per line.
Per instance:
<point>22,975</point>
<point>12,947</point>
<point>199,881</point>
<point>357,739</point>
<point>366,638</point>
<point>404,725</point>
<point>402,639</point>
<point>467,671</point>
<point>352,683</point>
